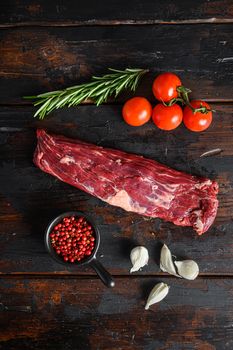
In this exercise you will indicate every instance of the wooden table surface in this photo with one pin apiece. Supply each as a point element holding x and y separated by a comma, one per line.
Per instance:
<point>49,45</point>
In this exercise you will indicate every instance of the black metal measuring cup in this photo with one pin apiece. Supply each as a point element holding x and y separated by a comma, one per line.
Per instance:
<point>91,260</point>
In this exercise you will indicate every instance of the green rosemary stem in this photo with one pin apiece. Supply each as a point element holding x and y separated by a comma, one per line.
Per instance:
<point>99,89</point>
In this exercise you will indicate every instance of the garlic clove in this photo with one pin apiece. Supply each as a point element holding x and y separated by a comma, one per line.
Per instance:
<point>166,262</point>
<point>158,293</point>
<point>139,257</point>
<point>187,269</point>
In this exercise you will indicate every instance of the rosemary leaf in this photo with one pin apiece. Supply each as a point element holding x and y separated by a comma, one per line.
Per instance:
<point>99,89</point>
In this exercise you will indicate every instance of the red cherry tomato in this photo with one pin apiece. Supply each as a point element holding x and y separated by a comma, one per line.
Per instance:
<point>167,118</point>
<point>197,121</point>
<point>165,85</point>
<point>137,111</point>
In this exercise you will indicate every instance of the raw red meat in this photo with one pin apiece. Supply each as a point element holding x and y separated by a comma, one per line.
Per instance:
<point>129,181</point>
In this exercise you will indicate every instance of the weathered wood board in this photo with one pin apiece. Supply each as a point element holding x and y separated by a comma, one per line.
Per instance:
<point>83,12</point>
<point>48,59</point>
<point>83,314</point>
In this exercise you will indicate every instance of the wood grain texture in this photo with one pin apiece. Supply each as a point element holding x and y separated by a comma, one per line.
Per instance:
<point>45,59</point>
<point>82,314</point>
<point>29,198</point>
<point>63,13</point>
<point>49,45</point>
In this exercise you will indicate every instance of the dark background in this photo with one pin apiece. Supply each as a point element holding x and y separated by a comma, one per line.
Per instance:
<point>49,45</point>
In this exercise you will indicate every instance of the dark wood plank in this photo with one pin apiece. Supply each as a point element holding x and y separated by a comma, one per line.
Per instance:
<point>84,315</point>
<point>35,61</point>
<point>29,198</point>
<point>90,12</point>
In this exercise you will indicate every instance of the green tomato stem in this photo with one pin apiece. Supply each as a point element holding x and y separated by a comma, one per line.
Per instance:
<point>183,94</point>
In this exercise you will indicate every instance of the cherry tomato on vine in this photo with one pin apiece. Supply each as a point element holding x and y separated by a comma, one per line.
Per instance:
<point>165,85</point>
<point>137,111</point>
<point>167,117</point>
<point>197,121</point>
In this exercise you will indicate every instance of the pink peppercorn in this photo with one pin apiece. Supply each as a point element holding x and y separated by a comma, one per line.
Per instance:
<point>73,239</point>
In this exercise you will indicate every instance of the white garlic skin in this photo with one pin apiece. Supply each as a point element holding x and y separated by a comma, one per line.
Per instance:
<point>166,262</point>
<point>139,257</point>
<point>187,269</point>
<point>158,293</point>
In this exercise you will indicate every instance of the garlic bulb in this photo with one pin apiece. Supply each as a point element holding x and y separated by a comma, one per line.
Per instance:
<point>139,257</point>
<point>187,269</point>
<point>157,294</point>
<point>166,262</point>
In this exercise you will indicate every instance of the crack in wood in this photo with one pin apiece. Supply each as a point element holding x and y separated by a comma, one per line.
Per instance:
<point>93,23</point>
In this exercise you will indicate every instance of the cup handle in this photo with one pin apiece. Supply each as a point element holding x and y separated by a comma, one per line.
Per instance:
<point>104,275</point>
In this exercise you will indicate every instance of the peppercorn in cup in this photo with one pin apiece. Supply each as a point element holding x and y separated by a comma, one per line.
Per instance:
<point>73,238</point>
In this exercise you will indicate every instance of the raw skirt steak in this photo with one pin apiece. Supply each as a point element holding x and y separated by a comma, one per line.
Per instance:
<point>129,181</point>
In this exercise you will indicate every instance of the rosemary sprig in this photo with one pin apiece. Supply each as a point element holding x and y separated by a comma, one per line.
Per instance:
<point>99,89</point>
